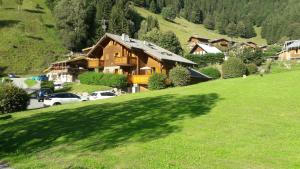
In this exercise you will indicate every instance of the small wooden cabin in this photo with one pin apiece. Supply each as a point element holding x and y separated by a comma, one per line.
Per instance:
<point>195,39</point>
<point>134,58</point>
<point>224,43</point>
<point>290,51</point>
<point>202,49</point>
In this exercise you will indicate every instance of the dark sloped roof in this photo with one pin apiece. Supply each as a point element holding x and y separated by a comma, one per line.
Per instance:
<point>147,47</point>
<point>196,74</point>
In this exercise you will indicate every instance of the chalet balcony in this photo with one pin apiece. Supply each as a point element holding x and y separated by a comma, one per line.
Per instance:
<point>139,79</point>
<point>125,61</point>
<point>95,63</point>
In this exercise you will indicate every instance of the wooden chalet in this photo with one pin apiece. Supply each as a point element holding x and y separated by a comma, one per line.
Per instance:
<point>195,39</point>
<point>290,51</point>
<point>222,43</point>
<point>67,70</point>
<point>134,58</point>
<point>202,49</point>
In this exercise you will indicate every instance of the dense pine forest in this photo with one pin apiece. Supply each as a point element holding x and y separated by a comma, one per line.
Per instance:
<point>82,22</point>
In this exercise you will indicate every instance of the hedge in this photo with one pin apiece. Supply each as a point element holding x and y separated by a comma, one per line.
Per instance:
<point>251,68</point>
<point>47,85</point>
<point>233,67</point>
<point>157,81</point>
<point>105,79</point>
<point>211,72</point>
<point>207,59</point>
<point>12,98</point>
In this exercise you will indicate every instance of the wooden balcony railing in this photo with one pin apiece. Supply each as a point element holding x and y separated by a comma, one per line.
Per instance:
<point>138,79</point>
<point>125,61</point>
<point>95,63</point>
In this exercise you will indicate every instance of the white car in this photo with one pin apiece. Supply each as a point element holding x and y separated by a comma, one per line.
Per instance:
<point>101,95</point>
<point>62,98</point>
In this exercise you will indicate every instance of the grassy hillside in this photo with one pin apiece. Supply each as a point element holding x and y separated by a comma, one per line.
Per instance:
<point>184,29</point>
<point>238,123</point>
<point>29,40</point>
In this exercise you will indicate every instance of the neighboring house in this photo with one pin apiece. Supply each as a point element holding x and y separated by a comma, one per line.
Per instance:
<point>222,43</point>
<point>195,39</point>
<point>290,51</point>
<point>134,58</point>
<point>67,70</point>
<point>202,49</point>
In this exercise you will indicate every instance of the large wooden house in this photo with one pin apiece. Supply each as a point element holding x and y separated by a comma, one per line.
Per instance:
<point>134,58</point>
<point>290,51</point>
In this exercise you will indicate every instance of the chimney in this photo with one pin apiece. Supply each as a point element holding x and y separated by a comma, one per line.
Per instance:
<point>123,37</point>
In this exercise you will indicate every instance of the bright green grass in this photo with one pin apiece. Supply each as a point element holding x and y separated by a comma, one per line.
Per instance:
<point>29,41</point>
<point>236,123</point>
<point>81,88</point>
<point>184,29</point>
<point>30,82</point>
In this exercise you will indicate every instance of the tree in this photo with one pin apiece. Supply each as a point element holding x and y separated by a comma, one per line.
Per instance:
<point>19,3</point>
<point>168,13</point>
<point>180,76</point>
<point>209,22</point>
<point>231,30</point>
<point>241,29</point>
<point>167,40</point>
<point>71,19</point>
<point>147,25</point>
<point>196,16</point>
<point>153,6</point>
<point>103,9</point>
<point>1,3</point>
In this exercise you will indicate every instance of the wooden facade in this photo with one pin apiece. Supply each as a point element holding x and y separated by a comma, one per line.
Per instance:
<point>115,56</point>
<point>290,55</point>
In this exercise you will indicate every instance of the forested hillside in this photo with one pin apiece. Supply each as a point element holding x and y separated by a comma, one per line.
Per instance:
<point>280,19</point>
<point>29,40</point>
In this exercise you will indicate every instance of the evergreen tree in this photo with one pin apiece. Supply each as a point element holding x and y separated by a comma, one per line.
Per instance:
<point>153,7</point>
<point>168,13</point>
<point>103,9</point>
<point>209,22</point>
<point>196,16</point>
<point>19,3</point>
<point>241,29</point>
<point>71,22</point>
<point>231,30</point>
<point>147,25</point>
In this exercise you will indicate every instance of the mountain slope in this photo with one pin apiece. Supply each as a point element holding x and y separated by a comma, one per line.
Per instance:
<point>29,40</point>
<point>184,29</point>
<point>237,123</point>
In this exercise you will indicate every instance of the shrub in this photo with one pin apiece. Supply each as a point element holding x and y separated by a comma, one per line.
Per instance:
<point>233,67</point>
<point>180,76</point>
<point>105,79</point>
<point>48,85</point>
<point>168,13</point>
<point>157,81</point>
<point>251,68</point>
<point>12,98</point>
<point>211,72</point>
<point>207,59</point>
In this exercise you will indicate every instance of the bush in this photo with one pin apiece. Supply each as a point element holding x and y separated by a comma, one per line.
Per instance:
<point>207,59</point>
<point>48,85</point>
<point>105,79</point>
<point>12,98</point>
<point>251,69</point>
<point>180,76</point>
<point>157,81</point>
<point>168,13</point>
<point>233,67</point>
<point>211,72</point>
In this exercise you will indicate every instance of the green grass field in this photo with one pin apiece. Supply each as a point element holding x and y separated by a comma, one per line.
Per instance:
<point>29,41</point>
<point>236,123</point>
<point>184,29</point>
<point>80,88</point>
<point>30,82</point>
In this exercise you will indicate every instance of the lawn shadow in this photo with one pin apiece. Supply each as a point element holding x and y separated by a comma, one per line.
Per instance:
<point>49,26</point>
<point>34,11</point>
<point>105,125</point>
<point>8,23</point>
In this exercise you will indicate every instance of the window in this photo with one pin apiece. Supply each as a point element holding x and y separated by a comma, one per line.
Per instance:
<point>117,54</point>
<point>107,94</point>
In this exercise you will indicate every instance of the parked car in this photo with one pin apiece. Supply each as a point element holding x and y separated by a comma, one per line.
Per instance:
<point>102,95</point>
<point>62,98</point>
<point>42,93</point>
<point>12,75</point>
<point>40,78</point>
<point>58,86</point>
